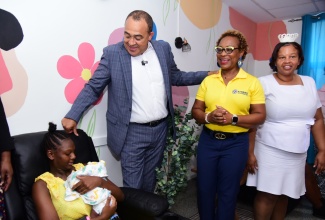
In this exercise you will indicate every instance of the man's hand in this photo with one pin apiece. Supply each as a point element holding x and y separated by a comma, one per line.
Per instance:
<point>213,72</point>
<point>69,125</point>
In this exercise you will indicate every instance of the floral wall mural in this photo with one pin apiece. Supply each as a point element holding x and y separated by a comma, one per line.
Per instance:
<point>13,83</point>
<point>6,81</point>
<point>13,77</point>
<point>78,70</point>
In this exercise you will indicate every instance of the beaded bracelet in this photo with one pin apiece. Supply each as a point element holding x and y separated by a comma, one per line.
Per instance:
<point>206,118</point>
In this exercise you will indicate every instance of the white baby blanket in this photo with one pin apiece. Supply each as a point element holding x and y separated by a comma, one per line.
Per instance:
<point>96,197</point>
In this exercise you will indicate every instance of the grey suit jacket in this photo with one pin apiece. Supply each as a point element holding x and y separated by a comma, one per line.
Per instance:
<point>114,71</point>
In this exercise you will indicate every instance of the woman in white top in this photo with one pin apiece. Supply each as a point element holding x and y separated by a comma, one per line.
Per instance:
<point>293,109</point>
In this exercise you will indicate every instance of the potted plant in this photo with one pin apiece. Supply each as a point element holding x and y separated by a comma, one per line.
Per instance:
<point>172,176</point>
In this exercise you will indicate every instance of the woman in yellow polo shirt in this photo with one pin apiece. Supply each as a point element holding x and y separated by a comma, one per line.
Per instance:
<point>228,104</point>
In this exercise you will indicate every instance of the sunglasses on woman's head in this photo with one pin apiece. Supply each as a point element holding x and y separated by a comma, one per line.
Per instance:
<point>228,50</point>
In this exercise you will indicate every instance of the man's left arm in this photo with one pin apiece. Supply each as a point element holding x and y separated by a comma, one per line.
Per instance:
<point>182,78</point>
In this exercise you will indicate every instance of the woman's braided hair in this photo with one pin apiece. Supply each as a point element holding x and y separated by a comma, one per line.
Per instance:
<point>53,138</point>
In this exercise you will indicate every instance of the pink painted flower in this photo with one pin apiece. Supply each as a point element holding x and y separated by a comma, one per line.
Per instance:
<point>80,71</point>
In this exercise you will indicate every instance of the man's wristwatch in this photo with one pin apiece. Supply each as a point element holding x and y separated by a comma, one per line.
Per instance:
<point>234,119</point>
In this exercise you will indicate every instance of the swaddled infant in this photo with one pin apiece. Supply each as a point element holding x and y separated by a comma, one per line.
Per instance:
<point>96,197</point>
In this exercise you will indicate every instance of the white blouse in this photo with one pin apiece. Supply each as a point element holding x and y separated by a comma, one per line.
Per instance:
<point>290,112</point>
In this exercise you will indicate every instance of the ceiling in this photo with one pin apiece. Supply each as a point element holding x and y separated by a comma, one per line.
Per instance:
<point>261,11</point>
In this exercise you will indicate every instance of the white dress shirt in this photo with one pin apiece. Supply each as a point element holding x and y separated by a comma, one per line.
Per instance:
<point>149,99</point>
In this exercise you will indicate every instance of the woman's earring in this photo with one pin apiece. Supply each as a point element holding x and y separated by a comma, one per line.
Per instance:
<point>240,62</point>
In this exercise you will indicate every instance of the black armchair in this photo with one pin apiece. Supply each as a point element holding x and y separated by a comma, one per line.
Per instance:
<point>29,162</point>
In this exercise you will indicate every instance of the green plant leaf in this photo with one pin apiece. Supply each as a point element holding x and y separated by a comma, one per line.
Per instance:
<point>172,175</point>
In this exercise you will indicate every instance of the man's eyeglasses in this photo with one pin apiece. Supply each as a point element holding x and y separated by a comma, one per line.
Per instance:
<point>228,50</point>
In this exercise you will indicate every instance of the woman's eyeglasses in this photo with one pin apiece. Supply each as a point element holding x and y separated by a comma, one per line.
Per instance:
<point>228,50</point>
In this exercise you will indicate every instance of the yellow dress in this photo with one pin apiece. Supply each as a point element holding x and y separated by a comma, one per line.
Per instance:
<point>72,210</point>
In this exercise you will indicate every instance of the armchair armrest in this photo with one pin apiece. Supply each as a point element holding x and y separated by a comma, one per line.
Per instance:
<point>139,204</point>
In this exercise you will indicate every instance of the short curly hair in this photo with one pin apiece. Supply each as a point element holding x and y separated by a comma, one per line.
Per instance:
<point>243,46</point>
<point>276,51</point>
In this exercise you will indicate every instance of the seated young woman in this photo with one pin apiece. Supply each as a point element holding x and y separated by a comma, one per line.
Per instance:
<point>49,191</point>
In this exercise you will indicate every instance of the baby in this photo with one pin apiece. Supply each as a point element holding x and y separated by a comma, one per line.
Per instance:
<point>96,197</point>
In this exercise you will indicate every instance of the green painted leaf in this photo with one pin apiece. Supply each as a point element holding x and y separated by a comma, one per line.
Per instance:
<point>92,124</point>
<point>166,8</point>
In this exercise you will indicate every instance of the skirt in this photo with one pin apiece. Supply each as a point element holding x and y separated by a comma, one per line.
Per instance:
<point>279,172</point>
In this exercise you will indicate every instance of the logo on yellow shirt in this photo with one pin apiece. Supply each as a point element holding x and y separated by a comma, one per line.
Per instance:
<point>235,91</point>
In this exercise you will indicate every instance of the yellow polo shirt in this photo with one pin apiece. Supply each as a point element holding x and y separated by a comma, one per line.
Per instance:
<point>236,97</point>
<point>66,210</point>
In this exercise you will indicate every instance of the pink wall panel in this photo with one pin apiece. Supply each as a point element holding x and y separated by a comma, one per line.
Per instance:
<point>246,26</point>
<point>267,38</point>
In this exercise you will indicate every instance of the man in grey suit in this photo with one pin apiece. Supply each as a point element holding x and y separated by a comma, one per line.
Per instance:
<point>139,74</point>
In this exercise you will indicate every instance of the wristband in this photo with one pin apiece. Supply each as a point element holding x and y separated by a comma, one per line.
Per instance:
<point>206,118</point>
<point>115,217</point>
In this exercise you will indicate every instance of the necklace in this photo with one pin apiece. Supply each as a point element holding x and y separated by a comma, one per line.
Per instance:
<point>283,79</point>
<point>229,76</point>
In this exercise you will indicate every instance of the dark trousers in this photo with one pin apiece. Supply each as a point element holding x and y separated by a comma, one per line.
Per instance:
<point>220,164</point>
<point>142,153</point>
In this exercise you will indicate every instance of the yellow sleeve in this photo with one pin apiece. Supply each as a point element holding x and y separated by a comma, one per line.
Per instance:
<point>258,96</point>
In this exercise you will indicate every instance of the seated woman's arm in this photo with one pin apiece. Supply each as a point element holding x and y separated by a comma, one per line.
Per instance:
<point>115,190</point>
<point>88,183</point>
<point>108,210</point>
<point>43,202</point>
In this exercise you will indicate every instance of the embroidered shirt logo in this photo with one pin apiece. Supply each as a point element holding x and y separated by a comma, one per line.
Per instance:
<point>235,91</point>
